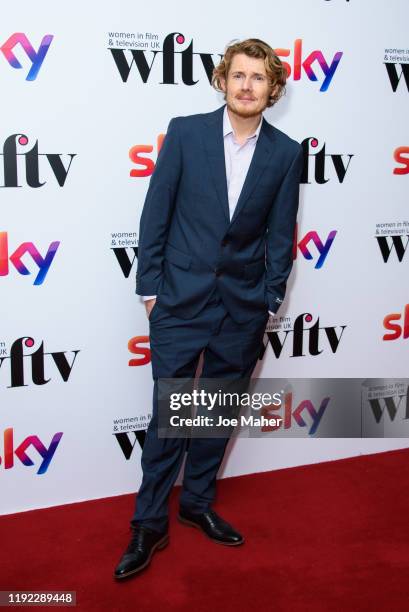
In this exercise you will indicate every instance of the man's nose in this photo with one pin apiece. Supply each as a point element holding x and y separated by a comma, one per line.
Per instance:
<point>247,83</point>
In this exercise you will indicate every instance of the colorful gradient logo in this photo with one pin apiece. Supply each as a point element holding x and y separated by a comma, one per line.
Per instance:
<point>322,247</point>
<point>295,414</point>
<point>43,263</point>
<point>143,352</point>
<point>10,451</point>
<point>401,156</point>
<point>144,64</point>
<point>396,329</point>
<point>36,57</point>
<point>300,64</point>
<point>146,163</point>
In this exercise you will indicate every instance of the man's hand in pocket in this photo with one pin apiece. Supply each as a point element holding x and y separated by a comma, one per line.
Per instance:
<point>149,304</point>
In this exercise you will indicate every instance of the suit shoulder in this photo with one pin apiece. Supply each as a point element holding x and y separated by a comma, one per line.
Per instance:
<point>285,140</point>
<point>189,120</point>
<point>187,125</point>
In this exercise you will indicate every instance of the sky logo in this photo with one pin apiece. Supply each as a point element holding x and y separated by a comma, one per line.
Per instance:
<point>322,247</point>
<point>20,451</point>
<point>43,263</point>
<point>143,353</point>
<point>397,330</point>
<point>36,57</point>
<point>296,414</point>
<point>306,64</point>
<point>401,156</point>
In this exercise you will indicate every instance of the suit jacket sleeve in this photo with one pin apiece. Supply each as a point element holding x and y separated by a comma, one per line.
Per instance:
<point>157,212</point>
<point>280,233</point>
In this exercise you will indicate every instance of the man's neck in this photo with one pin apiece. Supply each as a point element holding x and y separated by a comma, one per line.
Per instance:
<point>243,126</point>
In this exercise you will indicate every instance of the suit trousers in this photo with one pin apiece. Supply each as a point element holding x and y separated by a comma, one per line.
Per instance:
<point>230,350</point>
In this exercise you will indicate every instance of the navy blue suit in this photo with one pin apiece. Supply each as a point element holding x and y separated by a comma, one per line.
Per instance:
<point>188,245</point>
<point>215,281</point>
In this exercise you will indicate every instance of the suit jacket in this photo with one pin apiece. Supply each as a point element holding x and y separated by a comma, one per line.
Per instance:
<point>188,244</point>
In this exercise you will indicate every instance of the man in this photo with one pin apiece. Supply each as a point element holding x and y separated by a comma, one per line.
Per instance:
<point>215,252</point>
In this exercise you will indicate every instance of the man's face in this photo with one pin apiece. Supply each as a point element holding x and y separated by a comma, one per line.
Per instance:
<point>247,86</point>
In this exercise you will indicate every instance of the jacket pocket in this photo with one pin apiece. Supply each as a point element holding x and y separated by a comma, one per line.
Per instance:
<point>180,259</point>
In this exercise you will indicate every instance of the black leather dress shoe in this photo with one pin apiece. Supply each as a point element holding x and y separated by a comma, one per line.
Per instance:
<point>143,544</point>
<point>212,525</point>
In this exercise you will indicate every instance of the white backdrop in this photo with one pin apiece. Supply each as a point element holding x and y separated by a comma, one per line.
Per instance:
<point>86,323</point>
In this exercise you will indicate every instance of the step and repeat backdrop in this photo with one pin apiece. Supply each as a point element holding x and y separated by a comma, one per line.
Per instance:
<point>88,91</point>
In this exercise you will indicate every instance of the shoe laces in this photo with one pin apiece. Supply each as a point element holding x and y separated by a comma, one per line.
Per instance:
<point>137,540</point>
<point>215,518</point>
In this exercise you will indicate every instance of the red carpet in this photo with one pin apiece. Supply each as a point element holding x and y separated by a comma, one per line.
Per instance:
<point>331,536</point>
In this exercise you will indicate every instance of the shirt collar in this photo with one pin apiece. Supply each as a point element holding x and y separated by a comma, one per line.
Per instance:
<point>227,127</point>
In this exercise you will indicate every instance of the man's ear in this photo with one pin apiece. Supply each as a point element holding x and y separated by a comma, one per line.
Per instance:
<point>223,84</point>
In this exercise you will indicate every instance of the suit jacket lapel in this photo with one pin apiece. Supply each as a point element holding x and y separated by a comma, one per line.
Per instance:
<point>214,145</point>
<point>259,162</point>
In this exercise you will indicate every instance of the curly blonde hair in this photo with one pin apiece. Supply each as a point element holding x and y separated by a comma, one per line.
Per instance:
<point>253,47</point>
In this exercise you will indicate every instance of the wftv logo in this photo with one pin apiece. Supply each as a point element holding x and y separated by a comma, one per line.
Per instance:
<point>401,156</point>
<point>312,236</point>
<point>36,57</point>
<point>126,444</point>
<point>297,414</point>
<point>31,163</point>
<point>393,67</point>
<point>298,334</point>
<point>397,330</point>
<point>144,63</point>
<point>43,263</point>
<point>123,243</point>
<point>391,405</point>
<point>13,365</point>
<point>127,437</point>
<point>20,451</point>
<point>396,243</point>
<point>318,161</point>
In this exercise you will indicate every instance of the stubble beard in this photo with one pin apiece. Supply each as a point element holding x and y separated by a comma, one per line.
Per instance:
<point>244,113</point>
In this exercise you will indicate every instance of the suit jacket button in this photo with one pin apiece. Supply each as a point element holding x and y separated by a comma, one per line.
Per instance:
<point>218,272</point>
<point>224,242</point>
